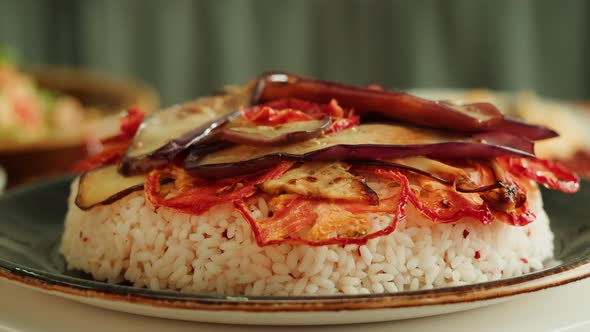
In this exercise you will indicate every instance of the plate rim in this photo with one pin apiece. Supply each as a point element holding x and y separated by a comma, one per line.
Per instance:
<point>503,288</point>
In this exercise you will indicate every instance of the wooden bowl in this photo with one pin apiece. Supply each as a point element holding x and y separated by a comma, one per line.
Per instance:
<point>102,93</point>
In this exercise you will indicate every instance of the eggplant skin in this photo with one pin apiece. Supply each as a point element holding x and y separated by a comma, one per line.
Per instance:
<point>169,132</point>
<point>475,117</point>
<point>394,105</point>
<point>111,199</point>
<point>105,185</point>
<point>364,142</point>
<point>132,165</point>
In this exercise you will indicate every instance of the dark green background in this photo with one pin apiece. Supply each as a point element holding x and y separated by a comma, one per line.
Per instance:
<point>186,48</point>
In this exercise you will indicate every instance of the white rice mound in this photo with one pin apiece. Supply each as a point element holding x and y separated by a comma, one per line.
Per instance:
<point>216,252</point>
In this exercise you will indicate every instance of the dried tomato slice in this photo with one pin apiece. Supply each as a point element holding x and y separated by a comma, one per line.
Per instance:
<point>542,171</point>
<point>269,116</point>
<point>131,122</point>
<point>516,212</point>
<point>196,196</point>
<point>312,222</point>
<point>312,109</point>
<point>111,152</point>
<point>579,163</point>
<point>521,216</point>
<point>444,206</point>
<point>296,215</point>
<point>442,203</point>
<point>290,110</point>
<point>341,119</point>
<point>113,148</point>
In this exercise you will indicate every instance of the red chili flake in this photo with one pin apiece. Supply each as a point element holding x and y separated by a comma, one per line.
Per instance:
<point>524,260</point>
<point>465,233</point>
<point>477,255</point>
<point>292,275</point>
<point>224,234</point>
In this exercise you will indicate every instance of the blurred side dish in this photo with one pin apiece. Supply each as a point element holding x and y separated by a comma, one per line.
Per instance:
<point>52,116</point>
<point>29,113</point>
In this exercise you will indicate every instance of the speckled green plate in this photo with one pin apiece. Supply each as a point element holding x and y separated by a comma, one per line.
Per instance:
<point>31,221</point>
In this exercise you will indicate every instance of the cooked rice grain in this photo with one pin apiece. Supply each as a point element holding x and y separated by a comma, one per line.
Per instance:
<point>216,253</point>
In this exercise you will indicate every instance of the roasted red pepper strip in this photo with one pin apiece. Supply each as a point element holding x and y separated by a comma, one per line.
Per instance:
<point>542,171</point>
<point>114,147</point>
<point>290,223</point>
<point>200,195</point>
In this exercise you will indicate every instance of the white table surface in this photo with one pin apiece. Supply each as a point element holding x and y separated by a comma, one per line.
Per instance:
<point>565,308</point>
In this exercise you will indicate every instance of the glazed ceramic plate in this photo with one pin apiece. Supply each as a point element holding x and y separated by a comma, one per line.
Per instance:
<point>31,225</point>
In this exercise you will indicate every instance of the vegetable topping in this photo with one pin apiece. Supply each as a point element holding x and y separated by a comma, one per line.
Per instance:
<point>302,169</point>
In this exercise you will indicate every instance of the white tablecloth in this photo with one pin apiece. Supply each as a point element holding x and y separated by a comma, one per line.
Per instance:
<point>564,308</point>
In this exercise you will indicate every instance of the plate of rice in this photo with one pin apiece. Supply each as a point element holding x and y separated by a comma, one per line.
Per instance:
<point>295,201</point>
